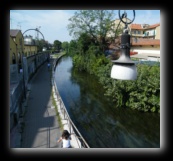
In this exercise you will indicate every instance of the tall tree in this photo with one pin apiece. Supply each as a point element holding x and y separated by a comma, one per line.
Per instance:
<point>73,45</point>
<point>95,23</point>
<point>41,44</point>
<point>65,45</point>
<point>57,45</point>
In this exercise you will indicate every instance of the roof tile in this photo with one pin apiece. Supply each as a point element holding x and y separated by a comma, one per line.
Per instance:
<point>139,26</point>
<point>13,32</point>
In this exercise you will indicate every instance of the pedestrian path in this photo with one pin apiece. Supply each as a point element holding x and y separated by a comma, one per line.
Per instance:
<point>41,127</point>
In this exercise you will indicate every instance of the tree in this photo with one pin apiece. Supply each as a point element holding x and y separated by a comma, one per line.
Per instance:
<point>95,23</point>
<point>84,42</point>
<point>65,45</point>
<point>72,47</point>
<point>40,44</point>
<point>57,45</point>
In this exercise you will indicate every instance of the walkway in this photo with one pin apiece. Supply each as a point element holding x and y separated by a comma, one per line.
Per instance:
<point>41,126</point>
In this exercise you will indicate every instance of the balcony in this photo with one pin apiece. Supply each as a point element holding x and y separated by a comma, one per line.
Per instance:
<point>149,33</point>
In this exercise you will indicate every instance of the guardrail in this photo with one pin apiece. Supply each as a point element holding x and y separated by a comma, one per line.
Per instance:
<point>80,141</point>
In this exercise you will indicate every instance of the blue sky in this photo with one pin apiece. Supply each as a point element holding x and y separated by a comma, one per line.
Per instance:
<point>53,23</point>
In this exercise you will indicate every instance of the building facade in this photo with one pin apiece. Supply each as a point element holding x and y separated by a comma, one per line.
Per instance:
<point>30,46</point>
<point>16,48</point>
<point>145,40</point>
<point>145,31</point>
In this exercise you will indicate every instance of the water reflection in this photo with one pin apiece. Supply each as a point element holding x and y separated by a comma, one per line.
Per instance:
<point>101,124</point>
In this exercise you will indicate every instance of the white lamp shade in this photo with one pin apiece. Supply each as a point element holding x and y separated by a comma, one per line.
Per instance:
<point>124,72</point>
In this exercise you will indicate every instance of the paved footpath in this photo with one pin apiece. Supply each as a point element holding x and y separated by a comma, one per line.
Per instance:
<point>41,126</point>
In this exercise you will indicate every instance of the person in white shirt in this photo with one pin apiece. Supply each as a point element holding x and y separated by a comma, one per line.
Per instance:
<point>65,138</point>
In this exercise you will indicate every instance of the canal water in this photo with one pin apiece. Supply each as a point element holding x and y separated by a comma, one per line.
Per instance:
<point>100,123</point>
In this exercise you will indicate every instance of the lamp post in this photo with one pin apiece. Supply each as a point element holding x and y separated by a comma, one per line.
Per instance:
<point>124,68</point>
<point>24,86</point>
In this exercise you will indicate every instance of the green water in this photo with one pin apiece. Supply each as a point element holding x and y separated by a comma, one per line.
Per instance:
<point>100,123</point>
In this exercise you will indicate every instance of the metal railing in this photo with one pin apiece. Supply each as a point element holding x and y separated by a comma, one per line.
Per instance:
<point>15,95</point>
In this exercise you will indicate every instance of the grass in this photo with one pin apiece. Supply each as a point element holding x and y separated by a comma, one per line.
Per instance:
<point>54,102</point>
<point>57,113</point>
<point>58,55</point>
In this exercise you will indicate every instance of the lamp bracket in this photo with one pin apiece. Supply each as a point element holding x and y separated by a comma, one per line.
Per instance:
<point>124,15</point>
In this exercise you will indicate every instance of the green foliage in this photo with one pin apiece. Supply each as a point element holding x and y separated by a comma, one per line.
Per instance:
<point>97,24</point>
<point>57,113</point>
<point>57,45</point>
<point>65,46</point>
<point>84,42</point>
<point>73,48</point>
<point>40,44</point>
<point>142,94</point>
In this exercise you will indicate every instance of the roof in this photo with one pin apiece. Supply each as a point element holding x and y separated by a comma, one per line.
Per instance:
<point>136,26</point>
<point>145,42</point>
<point>139,26</point>
<point>153,26</point>
<point>13,32</point>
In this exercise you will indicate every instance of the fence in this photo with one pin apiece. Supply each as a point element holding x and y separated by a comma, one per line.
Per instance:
<point>32,63</point>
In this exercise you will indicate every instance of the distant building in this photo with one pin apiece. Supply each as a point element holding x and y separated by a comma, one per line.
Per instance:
<point>31,47</point>
<point>117,25</point>
<point>145,39</point>
<point>145,31</point>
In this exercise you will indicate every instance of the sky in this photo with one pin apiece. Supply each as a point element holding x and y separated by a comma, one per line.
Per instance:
<point>53,23</point>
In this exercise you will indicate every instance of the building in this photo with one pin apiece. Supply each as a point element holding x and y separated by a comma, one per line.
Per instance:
<point>145,40</point>
<point>16,47</point>
<point>16,81</point>
<point>30,46</point>
<point>118,26</point>
<point>13,51</point>
<point>145,31</point>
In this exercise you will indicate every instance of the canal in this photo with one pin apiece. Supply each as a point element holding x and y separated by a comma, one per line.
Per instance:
<point>100,123</point>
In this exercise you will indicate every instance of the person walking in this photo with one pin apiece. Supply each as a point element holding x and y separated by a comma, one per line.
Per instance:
<point>65,138</point>
<point>48,66</point>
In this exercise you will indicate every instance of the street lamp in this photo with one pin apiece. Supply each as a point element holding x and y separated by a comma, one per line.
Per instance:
<point>23,66</point>
<point>124,68</point>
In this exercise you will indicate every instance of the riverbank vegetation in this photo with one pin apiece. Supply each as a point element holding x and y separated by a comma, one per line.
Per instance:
<point>87,51</point>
